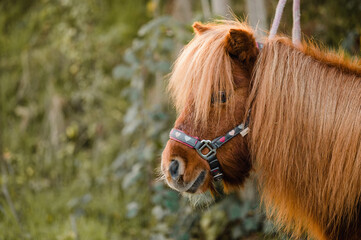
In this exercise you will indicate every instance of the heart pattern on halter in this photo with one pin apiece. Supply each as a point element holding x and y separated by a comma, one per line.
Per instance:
<point>211,145</point>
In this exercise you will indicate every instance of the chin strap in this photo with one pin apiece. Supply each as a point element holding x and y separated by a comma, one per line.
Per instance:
<point>207,149</point>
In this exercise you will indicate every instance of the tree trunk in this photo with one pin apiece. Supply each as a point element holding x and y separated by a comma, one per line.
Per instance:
<point>220,7</point>
<point>257,16</point>
<point>182,10</point>
<point>206,9</point>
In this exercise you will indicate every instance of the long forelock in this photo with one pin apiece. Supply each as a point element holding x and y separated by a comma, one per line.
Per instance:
<point>202,69</point>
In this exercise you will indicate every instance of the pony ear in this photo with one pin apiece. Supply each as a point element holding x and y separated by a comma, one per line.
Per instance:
<point>199,28</point>
<point>241,44</point>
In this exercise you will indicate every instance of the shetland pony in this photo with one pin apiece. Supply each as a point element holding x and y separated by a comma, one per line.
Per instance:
<point>304,112</point>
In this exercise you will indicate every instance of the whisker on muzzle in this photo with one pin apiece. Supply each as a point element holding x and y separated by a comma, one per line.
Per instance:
<point>159,175</point>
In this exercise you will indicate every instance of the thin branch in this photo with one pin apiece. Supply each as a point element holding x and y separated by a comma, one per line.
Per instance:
<point>276,22</point>
<point>296,29</point>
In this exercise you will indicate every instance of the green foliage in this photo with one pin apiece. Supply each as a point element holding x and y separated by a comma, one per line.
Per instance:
<point>61,110</point>
<point>327,22</point>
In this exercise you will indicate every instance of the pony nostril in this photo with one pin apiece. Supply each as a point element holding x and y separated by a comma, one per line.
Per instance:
<point>174,169</point>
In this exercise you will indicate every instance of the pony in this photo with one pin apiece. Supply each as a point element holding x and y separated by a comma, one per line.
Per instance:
<point>302,107</point>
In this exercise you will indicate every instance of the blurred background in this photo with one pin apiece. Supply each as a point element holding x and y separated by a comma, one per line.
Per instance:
<point>84,116</point>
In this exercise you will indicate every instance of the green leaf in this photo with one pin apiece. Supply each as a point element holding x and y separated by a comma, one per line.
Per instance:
<point>129,57</point>
<point>122,72</point>
<point>234,212</point>
<point>132,209</point>
<point>153,24</point>
<point>163,66</point>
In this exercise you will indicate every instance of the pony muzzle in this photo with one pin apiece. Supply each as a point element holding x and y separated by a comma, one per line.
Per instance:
<point>175,178</point>
<point>193,186</point>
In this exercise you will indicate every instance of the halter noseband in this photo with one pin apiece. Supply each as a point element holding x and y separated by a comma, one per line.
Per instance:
<point>211,145</point>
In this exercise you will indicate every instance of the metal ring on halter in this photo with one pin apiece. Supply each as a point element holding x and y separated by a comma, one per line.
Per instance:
<point>207,144</point>
<point>211,146</point>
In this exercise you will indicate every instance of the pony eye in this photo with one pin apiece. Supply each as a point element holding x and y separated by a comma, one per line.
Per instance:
<point>221,97</point>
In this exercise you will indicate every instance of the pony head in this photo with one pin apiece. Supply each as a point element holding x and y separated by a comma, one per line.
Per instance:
<point>209,85</point>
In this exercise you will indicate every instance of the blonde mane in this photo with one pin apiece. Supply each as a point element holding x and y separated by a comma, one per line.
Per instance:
<point>306,136</point>
<point>202,69</point>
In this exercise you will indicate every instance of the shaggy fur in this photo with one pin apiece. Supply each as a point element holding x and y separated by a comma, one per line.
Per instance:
<point>306,127</point>
<point>192,82</point>
<point>305,138</point>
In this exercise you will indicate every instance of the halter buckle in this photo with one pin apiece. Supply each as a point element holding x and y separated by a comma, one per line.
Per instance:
<point>209,145</point>
<point>218,177</point>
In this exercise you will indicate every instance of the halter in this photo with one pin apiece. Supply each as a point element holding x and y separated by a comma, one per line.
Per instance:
<point>211,145</point>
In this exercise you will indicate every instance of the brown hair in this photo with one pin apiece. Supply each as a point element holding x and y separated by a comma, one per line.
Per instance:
<point>203,68</point>
<point>306,137</point>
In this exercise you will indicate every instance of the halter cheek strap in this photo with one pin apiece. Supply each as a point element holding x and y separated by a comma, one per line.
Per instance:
<point>207,149</point>
<point>210,147</point>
